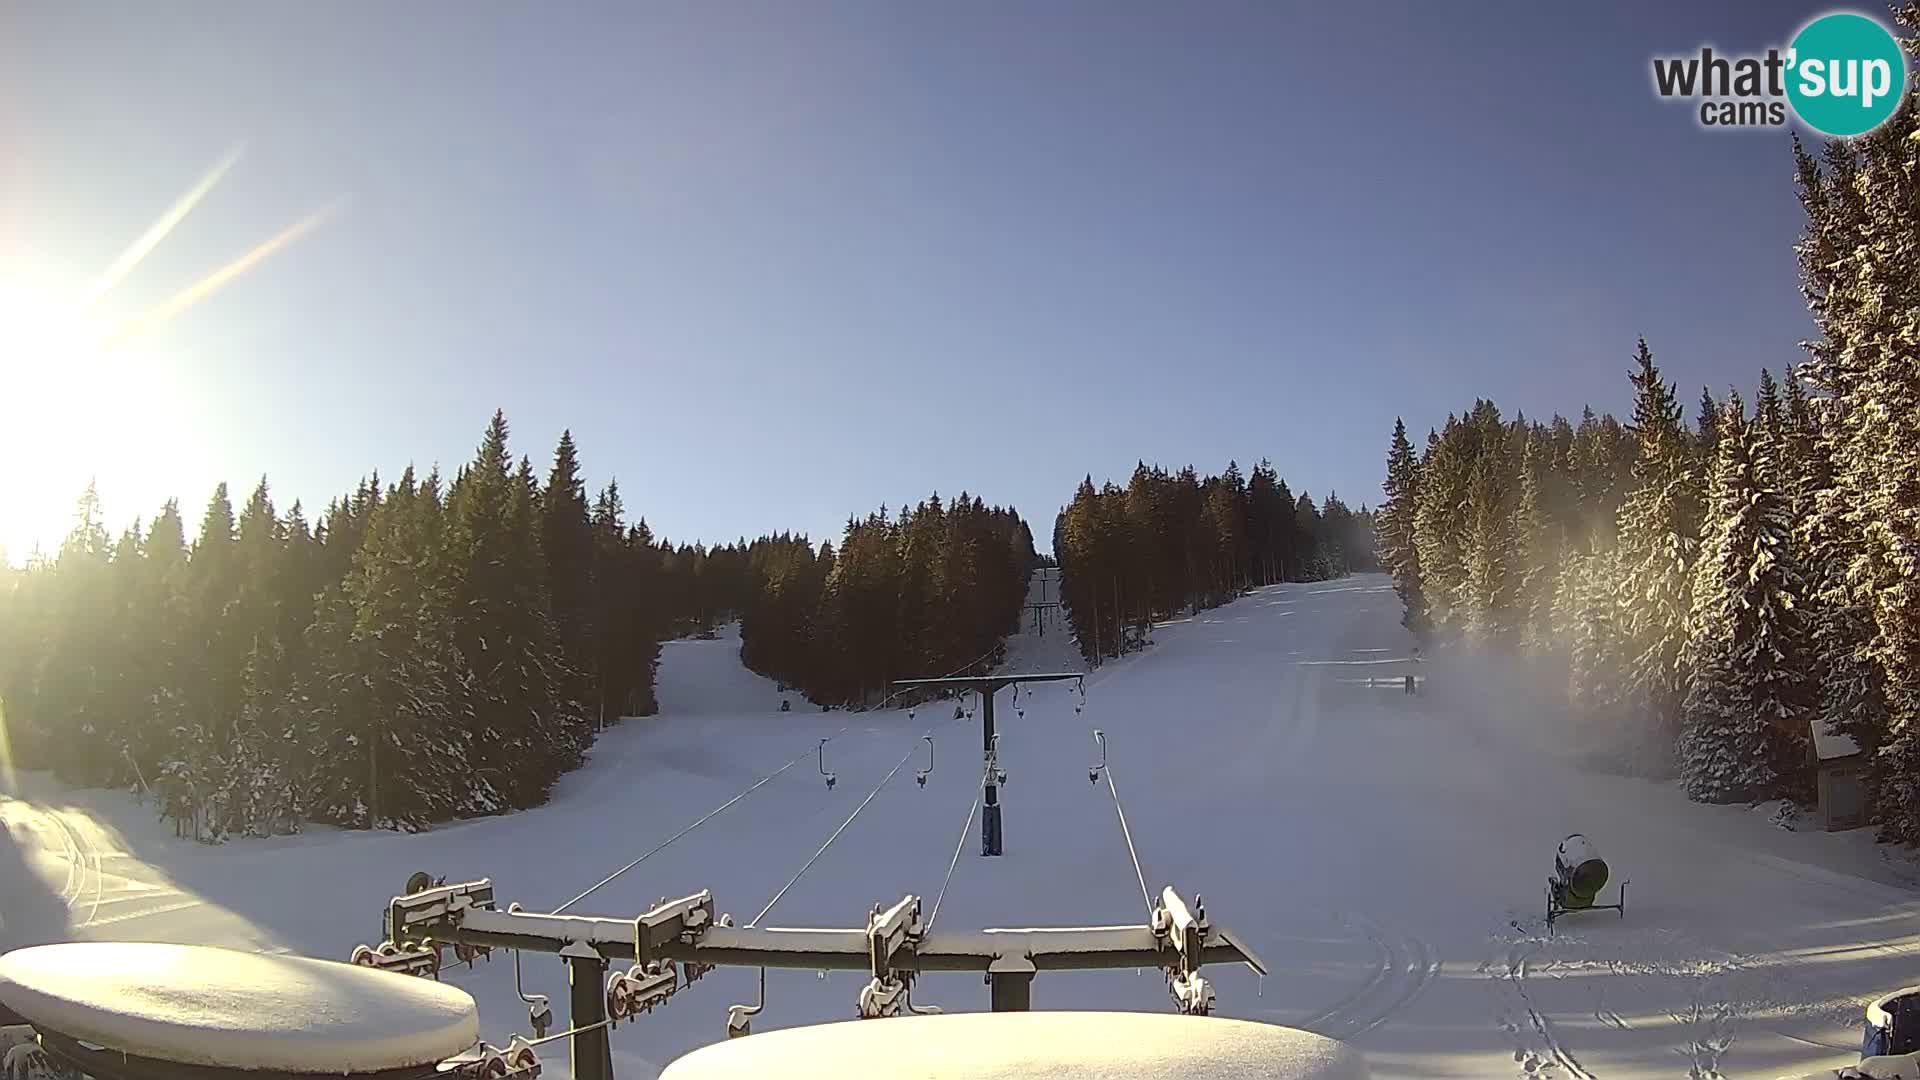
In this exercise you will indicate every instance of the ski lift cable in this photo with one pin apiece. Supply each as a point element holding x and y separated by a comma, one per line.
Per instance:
<point>908,756</point>
<point>948,675</point>
<point>709,816</point>
<point>558,1035</point>
<point>965,831</point>
<point>1128,834</point>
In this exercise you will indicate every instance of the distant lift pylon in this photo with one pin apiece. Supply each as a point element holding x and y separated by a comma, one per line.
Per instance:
<point>988,685</point>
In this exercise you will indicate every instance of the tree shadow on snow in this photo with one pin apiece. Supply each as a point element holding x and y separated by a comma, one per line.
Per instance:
<point>31,912</point>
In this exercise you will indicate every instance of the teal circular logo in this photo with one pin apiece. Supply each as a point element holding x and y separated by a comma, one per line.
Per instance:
<point>1846,74</point>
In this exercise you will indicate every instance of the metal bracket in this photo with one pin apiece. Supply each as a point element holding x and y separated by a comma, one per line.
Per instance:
<point>680,921</point>
<point>409,959</point>
<point>516,1062</point>
<point>889,933</point>
<point>639,988</point>
<point>1185,930</point>
<point>994,773</point>
<point>414,916</point>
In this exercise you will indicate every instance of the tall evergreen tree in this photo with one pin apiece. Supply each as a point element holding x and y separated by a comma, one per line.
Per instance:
<point>1541,546</point>
<point>1748,700</point>
<point>1398,552</point>
<point>1488,594</point>
<point>1658,536</point>
<point>567,540</point>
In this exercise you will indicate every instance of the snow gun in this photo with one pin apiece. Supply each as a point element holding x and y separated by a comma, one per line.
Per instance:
<point>1579,873</point>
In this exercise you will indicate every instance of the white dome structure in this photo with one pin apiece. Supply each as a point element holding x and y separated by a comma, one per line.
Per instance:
<point>221,1009</point>
<point>1027,1046</point>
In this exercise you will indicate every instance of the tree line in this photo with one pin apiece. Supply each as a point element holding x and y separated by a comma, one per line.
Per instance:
<point>934,591</point>
<point>1171,542</point>
<point>424,650</point>
<point>1715,590</point>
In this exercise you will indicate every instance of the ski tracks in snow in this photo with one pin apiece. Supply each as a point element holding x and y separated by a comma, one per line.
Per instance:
<point>1538,1049</point>
<point>82,887</point>
<point>1404,967</point>
<point>1702,996</point>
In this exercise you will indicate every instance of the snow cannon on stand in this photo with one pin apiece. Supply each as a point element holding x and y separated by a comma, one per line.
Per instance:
<point>1579,873</point>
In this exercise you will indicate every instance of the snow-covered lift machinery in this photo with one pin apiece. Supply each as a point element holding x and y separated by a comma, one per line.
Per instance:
<point>677,941</point>
<point>1579,873</point>
<point>993,777</point>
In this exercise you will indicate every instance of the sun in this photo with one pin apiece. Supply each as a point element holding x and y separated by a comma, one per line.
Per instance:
<point>43,329</point>
<point>91,396</point>
<point>71,410</point>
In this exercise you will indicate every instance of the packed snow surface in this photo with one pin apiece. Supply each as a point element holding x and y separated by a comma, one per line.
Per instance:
<point>1028,1046</point>
<point>194,1005</point>
<point>1386,854</point>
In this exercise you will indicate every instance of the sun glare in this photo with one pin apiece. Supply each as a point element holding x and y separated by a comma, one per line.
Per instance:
<point>88,395</point>
<point>72,410</point>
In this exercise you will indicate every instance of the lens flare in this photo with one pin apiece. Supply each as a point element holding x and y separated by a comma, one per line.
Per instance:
<point>158,231</point>
<point>154,317</point>
<point>7,783</point>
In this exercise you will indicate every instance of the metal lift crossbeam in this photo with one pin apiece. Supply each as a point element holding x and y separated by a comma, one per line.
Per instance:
<point>892,947</point>
<point>1079,948</point>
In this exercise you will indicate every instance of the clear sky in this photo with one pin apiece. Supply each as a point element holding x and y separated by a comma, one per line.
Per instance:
<point>775,263</point>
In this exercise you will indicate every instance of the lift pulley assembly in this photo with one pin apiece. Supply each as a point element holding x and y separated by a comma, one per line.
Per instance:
<point>671,945</point>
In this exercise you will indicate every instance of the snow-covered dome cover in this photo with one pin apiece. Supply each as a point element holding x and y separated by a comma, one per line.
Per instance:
<point>1577,849</point>
<point>1901,1067</point>
<point>193,1005</point>
<point>1027,1046</point>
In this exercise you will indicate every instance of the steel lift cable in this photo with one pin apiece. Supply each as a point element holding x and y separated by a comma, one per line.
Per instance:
<point>965,831</point>
<point>1128,834</point>
<point>750,789</point>
<point>710,815</point>
<point>908,756</point>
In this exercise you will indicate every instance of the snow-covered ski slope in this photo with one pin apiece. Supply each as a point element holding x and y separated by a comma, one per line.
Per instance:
<point>1386,854</point>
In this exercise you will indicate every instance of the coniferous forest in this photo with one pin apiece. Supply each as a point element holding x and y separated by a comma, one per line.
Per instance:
<point>934,591</point>
<point>1713,585</point>
<point>1171,543</point>
<point>429,649</point>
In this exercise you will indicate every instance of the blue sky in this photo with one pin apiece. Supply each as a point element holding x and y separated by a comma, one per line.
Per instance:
<point>776,263</point>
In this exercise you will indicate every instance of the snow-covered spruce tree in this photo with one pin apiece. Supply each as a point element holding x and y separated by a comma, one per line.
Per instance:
<point>1587,620</point>
<point>1770,418</point>
<point>1542,545</point>
<point>1601,464</point>
<point>567,543</point>
<point>1857,271</point>
<point>1659,528</point>
<point>1743,736</point>
<point>1440,526</point>
<point>1707,432</point>
<point>1881,459</point>
<point>1398,553</point>
<point>1493,571</point>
